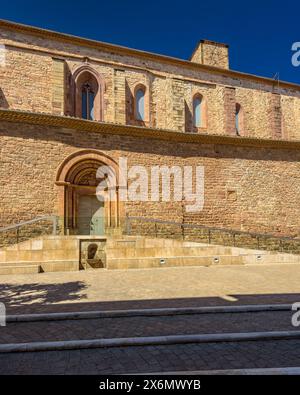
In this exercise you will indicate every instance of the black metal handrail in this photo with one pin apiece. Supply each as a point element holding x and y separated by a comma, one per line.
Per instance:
<point>258,236</point>
<point>52,218</point>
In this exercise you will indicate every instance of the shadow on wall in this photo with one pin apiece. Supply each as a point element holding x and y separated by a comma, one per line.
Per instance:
<point>3,101</point>
<point>24,295</point>
<point>130,108</point>
<point>129,103</point>
<point>188,118</point>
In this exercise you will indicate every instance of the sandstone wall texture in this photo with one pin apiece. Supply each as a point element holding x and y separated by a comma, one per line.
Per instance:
<point>248,189</point>
<point>38,77</point>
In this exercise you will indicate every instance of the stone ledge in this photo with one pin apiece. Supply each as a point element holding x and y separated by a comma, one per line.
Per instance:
<point>143,341</point>
<point>58,121</point>
<point>160,312</point>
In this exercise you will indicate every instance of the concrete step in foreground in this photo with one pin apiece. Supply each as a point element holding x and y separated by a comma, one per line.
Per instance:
<point>17,269</point>
<point>37,267</point>
<point>148,341</point>
<point>171,261</point>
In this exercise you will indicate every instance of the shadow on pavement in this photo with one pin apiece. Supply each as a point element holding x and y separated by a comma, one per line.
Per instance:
<point>34,297</point>
<point>70,296</point>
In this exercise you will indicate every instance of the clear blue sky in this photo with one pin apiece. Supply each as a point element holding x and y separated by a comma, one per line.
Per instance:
<point>260,33</point>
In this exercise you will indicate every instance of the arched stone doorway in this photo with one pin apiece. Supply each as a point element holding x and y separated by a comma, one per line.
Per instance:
<point>83,210</point>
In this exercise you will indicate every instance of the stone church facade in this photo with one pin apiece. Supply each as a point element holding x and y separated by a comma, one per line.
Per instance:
<point>69,105</point>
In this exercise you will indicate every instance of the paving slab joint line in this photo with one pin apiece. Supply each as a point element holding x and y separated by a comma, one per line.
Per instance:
<point>146,312</point>
<point>249,371</point>
<point>145,341</point>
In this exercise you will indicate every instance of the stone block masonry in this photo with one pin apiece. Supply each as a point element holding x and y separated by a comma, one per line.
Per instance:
<point>249,188</point>
<point>252,189</point>
<point>39,69</point>
<point>230,110</point>
<point>58,87</point>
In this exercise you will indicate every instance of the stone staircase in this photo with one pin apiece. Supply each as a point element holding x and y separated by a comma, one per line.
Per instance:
<point>142,252</point>
<point>44,254</point>
<point>69,253</point>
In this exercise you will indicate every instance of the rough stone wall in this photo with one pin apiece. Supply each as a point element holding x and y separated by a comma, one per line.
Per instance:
<point>119,95</point>
<point>229,110</point>
<point>212,54</point>
<point>252,189</point>
<point>27,83</point>
<point>176,109</point>
<point>58,84</point>
<point>276,115</point>
<point>290,109</point>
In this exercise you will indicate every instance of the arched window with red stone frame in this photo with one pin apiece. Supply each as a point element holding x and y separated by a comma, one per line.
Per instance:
<point>88,90</point>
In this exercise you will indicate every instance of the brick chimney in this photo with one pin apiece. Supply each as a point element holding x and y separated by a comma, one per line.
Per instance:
<point>211,53</point>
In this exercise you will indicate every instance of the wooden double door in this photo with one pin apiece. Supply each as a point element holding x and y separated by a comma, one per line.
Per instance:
<point>91,215</point>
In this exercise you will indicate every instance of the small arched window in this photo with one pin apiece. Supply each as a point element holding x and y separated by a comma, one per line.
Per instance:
<point>87,101</point>
<point>88,89</point>
<point>198,111</point>
<point>238,119</point>
<point>140,104</point>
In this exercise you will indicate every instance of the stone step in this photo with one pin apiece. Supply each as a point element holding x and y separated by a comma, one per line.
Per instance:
<point>143,242</point>
<point>46,242</point>
<point>47,266</point>
<point>157,252</point>
<point>61,253</point>
<point>19,263</point>
<point>149,262</point>
<point>206,251</point>
<point>50,243</point>
<point>271,258</point>
<point>38,255</point>
<point>15,269</point>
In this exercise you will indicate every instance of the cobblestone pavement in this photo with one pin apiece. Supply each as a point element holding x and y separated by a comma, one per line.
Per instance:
<point>191,357</point>
<point>159,287</point>
<point>145,326</point>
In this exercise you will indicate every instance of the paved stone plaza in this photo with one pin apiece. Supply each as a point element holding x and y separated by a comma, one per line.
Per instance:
<point>149,288</point>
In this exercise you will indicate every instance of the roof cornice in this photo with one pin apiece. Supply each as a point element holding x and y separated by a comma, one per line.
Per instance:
<point>67,38</point>
<point>56,121</point>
